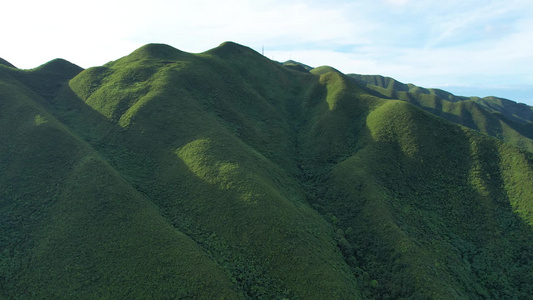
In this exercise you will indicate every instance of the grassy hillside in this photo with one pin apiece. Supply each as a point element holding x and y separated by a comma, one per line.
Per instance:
<point>72,227</point>
<point>423,207</point>
<point>223,174</point>
<point>517,112</point>
<point>204,154</point>
<point>501,118</point>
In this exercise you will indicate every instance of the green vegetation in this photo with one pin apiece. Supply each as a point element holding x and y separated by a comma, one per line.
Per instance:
<point>6,63</point>
<point>501,118</point>
<point>224,175</point>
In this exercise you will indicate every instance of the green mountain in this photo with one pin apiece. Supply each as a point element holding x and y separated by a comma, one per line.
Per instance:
<point>501,118</point>
<point>225,175</point>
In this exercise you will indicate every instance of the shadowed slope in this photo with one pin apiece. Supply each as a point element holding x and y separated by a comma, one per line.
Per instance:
<point>517,112</point>
<point>414,197</point>
<point>46,79</point>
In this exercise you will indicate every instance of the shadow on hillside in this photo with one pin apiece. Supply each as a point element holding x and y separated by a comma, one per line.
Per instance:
<point>436,209</point>
<point>488,124</point>
<point>446,201</point>
<point>243,238</point>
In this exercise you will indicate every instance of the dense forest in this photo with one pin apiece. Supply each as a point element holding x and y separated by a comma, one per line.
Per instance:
<point>226,175</point>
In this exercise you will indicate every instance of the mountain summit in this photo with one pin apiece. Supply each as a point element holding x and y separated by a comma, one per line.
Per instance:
<point>223,174</point>
<point>6,63</point>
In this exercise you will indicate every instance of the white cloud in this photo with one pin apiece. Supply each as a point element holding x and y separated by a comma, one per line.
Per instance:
<point>276,23</point>
<point>104,30</point>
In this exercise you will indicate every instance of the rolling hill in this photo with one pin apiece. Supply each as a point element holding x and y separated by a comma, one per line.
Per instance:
<point>225,175</point>
<point>501,118</point>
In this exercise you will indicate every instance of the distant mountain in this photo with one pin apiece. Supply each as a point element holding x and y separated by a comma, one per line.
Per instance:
<point>166,174</point>
<point>501,118</point>
<point>297,66</point>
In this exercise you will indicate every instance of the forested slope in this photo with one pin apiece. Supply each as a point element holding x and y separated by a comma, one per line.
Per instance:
<point>501,118</point>
<point>226,175</point>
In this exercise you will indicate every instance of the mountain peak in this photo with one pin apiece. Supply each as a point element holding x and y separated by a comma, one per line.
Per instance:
<point>324,69</point>
<point>298,66</point>
<point>60,65</point>
<point>6,63</point>
<point>156,51</point>
<point>231,48</point>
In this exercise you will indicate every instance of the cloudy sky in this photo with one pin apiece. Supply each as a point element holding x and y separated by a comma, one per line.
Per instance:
<point>469,47</point>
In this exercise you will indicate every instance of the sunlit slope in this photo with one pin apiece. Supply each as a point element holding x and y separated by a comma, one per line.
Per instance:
<point>424,208</point>
<point>209,139</point>
<point>501,118</point>
<point>73,228</point>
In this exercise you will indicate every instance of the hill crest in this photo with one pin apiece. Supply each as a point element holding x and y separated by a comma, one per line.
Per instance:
<point>231,49</point>
<point>6,63</point>
<point>155,51</point>
<point>59,65</point>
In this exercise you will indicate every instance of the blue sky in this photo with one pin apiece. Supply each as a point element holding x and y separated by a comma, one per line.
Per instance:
<point>468,47</point>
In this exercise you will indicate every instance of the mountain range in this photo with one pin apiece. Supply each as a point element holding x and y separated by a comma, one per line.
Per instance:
<point>226,175</point>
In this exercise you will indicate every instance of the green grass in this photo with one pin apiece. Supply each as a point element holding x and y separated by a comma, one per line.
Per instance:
<point>225,175</point>
<point>501,118</point>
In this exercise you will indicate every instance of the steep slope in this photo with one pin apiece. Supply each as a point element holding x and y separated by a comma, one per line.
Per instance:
<point>501,118</point>
<point>424,208</point>
<point>208,139</point>
<point>46,79</point>
<point>517,112</point>
<point>72,227</point>
<point>223,174</point>
<point>6,63</point>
